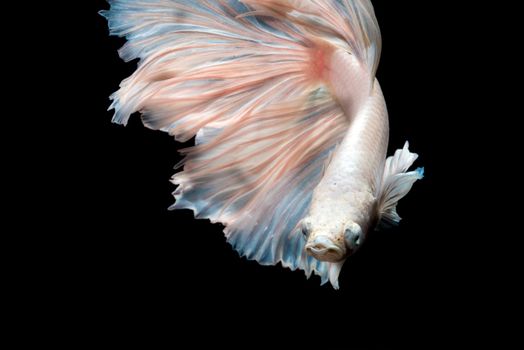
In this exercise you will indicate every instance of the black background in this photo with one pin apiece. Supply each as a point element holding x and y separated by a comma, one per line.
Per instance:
<point>147,267</point>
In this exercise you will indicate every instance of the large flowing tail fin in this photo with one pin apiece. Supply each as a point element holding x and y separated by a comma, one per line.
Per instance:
<point>245,77</point>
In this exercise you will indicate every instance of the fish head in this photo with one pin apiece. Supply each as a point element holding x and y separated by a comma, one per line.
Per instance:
<point>331,243</point>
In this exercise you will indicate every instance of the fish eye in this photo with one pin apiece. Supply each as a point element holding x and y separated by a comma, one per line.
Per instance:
<point>353,235</point>
<point>305,228</point>
<point>305,231</point>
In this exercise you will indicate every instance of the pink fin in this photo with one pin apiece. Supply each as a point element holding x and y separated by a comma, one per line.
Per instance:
<point>252,92</point>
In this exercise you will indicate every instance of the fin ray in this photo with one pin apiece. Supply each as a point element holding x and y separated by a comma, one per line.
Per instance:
<point>265,126</point>
<point>396,183</point>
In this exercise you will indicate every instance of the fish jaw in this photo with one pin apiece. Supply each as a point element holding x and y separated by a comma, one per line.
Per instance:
<point>324,244</point>
<point>324,249</point>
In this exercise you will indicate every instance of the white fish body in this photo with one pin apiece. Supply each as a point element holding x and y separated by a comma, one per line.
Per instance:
<point>291,125</point>
<point>344,204</point>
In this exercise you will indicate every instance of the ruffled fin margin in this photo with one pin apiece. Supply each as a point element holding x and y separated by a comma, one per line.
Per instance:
<point>248,87</point>
<point>396,183</point>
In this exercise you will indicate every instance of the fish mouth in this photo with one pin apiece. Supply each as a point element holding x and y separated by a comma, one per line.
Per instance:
<point>324,249</point>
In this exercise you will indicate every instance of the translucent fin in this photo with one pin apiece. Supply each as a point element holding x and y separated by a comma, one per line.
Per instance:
<point>396,183</point>
<point>248,86</point>
<point>349,23</point>
<point>257,177</point>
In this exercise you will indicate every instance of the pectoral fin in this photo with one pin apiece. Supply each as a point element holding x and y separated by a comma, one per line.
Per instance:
<point>396,183</point>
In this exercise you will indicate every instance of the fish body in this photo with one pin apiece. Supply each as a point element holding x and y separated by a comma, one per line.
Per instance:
<point>290,122</point>
<point>344,204</point>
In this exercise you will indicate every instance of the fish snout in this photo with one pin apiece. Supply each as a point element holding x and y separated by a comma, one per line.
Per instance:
<point>325,249</point>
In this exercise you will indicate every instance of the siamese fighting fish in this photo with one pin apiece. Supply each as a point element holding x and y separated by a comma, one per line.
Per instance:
<point>290,123</point>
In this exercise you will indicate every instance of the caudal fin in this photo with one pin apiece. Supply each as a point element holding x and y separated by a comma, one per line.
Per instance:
<point>245,78</point>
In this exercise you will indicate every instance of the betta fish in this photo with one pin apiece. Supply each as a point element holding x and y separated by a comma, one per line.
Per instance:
<point>290,124</point>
